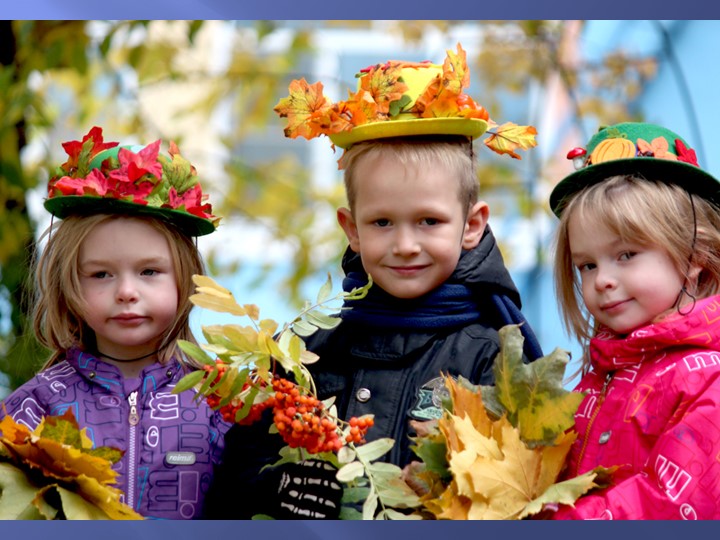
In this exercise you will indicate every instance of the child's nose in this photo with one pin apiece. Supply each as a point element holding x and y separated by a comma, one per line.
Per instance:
<point>406,242</point>
<point>127,290</point>
<point>604,279</point>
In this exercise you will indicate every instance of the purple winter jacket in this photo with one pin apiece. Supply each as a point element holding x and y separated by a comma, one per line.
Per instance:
<point>170,446</point>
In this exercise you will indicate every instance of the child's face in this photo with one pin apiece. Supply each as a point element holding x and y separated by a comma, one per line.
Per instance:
<point>127,280</point>
<point>408,225</point>
<point>624,285</point>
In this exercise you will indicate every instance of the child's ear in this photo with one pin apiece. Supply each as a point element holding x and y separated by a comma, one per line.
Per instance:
<point>475,224</point>
<point>347,222</point>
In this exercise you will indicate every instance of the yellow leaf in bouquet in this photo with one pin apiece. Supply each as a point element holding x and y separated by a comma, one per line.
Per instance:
<point>210,295</point>
<point>58,453</point>
<point>106,498</point>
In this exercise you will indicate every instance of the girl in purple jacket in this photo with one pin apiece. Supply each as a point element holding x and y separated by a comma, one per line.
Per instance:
<point>112,289</point>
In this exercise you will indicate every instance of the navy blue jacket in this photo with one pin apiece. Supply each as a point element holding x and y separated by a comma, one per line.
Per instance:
<point>394,374</point>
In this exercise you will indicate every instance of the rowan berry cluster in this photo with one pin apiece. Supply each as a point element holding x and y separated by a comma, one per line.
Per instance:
<point>300,418</point>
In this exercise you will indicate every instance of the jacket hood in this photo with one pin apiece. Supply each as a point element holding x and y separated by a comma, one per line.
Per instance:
<point>699,329</point>
<point>482,269</point>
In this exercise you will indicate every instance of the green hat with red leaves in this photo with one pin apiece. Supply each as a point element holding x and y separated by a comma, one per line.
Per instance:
<point>636,148</point>
<point>105,178</point>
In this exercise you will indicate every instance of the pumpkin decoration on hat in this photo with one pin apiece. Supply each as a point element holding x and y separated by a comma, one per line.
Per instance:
<point>636,148</point>
<point>400,99</point>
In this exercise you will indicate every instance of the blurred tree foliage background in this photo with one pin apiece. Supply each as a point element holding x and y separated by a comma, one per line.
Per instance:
<point>59,78</point>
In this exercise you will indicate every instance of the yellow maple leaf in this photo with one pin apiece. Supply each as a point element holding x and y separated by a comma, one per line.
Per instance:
<point>57,453</point>
<point>508,137</point>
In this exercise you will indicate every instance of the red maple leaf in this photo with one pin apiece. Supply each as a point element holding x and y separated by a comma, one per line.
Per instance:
<point>94,184</point>
<point>134,166</point>
<point>75,148</point>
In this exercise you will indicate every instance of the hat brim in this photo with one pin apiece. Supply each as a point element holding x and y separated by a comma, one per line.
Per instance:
<point>469,127</point>
<point>64,206</point>
<point>691,178</point>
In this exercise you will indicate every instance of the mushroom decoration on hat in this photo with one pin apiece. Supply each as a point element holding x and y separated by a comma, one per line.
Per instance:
<point>102,177</point>
<point>400,99</point>
<point>639,148</point>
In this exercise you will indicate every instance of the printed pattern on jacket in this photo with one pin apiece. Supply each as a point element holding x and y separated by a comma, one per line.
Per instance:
<point>653,409</point>
<point>169,453</point>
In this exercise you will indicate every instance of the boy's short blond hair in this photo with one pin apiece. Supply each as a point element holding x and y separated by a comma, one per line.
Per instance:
<point>455,153</point>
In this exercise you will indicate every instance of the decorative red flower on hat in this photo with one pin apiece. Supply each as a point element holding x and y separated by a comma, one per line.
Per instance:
<point>685,154</point>
<point>145,177</point>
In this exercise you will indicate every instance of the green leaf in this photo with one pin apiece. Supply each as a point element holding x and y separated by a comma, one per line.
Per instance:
<point>209,380</point>
<point>569,491</point>
<point>321,320</point>
<point>16,493</point>
<point>389,513</point>
<point>355,494</point>
<point>349,472</point>
<point>303,329</point>
<point>373,450</point>
<point>325,290</point>
<point>195,352</point>
<point>532,395</point>
<point>384,471</point>
<point>348,513</point>
<point>75,507</point>
<point>434,456</point>
<point>370,506</point>
<point>188,381</point>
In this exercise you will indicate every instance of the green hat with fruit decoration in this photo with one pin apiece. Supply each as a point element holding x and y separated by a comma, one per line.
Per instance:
<point>637,148</point>
<point>399,99</point>
<point>104,178</point>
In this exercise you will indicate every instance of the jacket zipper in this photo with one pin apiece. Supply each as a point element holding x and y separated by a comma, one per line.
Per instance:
<point>601,399</point>
<point>133,420</point>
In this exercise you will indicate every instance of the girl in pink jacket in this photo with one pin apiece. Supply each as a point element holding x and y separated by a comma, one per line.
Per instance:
<point>638,276</point>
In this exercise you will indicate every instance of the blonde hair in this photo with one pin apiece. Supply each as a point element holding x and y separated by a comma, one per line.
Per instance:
<point>453,153</point>
<point>647,212</point>
<point>58,306</point>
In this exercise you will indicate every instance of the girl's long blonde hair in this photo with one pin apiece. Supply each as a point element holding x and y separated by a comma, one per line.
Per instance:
<point>650,213</point>
<point>58,306</point>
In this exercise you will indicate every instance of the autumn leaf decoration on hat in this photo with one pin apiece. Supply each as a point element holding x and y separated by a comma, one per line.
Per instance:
<point>102,177</point>
<point>400,99</point>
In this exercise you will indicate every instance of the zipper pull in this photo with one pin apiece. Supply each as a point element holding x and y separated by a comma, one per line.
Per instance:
<point>133,418</point>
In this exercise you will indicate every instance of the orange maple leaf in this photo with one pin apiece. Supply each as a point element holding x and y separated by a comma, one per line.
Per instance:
<point>509,137</point>
<point>305,108</point>
<point>384,86</point>
<point>441,97</point>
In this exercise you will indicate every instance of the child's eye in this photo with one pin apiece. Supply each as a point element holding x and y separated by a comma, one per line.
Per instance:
<point>100,275</point>
<point>149,272</point>
<point>584,267</point>
<point>430,221</point>
<point>382,222</point>
<point>626,255</point>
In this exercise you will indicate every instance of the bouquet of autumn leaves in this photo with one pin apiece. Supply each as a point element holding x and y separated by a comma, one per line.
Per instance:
<point>496,453</point>
<point>54,473</point>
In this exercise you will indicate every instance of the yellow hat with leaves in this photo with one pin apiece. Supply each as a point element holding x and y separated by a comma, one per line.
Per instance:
<point>399,99</point>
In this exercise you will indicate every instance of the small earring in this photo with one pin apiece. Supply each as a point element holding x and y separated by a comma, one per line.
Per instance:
<point>692,306</point>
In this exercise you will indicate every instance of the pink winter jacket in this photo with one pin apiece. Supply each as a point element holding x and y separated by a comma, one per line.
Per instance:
<point>653,408</point>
